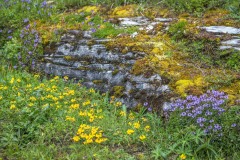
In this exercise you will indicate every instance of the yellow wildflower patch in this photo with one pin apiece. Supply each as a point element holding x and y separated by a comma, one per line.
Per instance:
<point>136,125</point>
<point>142,137</point>
<point>130,131</point>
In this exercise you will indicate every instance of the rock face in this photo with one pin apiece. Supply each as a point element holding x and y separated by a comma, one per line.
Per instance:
<point>88,60</point>
<point>233,43</point>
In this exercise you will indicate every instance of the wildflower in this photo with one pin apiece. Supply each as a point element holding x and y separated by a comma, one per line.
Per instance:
<point>30,104</point>
<point>13,106</point>
<point>183,156</point>
<point>12,81</point>
<point>131,116</point>
<point>74,106</point>
<point>122,113</point>
<point>88,141</point>
<point>142,137</point>
<point>149,109</point>
<point>0,97</point>
<point>100,140</point>
<point>18,80</point>
<point>73,100</point>
<point>136,125</point>
<point>130,131</point>
<point>86,103</point>
<point>147,128</point>
<point>32,98</point>
<point>26,20</point>
<point>92,90</point>
<point>76,138</point>
<point>72,119</point>
<point>65,78</point>
<point>118,104</point>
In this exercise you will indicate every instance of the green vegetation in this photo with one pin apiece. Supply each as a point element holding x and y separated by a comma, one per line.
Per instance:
<point>55,118</point>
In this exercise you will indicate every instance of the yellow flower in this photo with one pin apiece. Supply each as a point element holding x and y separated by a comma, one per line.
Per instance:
<point>88,141</point>
<point>73,100</point>
<point>86,103</point>
<point>76,138</point>
<point>183,156</point>
<point>13,106</point>
<point>18,80</point>
<point>56,77</point>
<point>65,77</point>
<point>72,119</point>
<point>32,98</point>
<point>100,140</point>
<point>74,106</point>
<point>19,94</point>
<point>54,87</point>
<point>36,76</point>
<point>122,113</point>
<point>142,137</point>
<point>12,81</point>
<point>30,104</point>
<point>118,104</point>
<point>0,97</point>
<point>130,131</point>
<point>131,116</point>
<point>147,128</point>
<point>92,90</point>
<point>71,92</point>
<point>136,125</point>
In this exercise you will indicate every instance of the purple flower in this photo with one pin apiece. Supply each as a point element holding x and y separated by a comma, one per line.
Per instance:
<point>183,114</point>
<point>10,37</point>
<point>27,27</point>
<point>234,125</point>
<point>93,30</point>
<point>44,4</point>
<point>26,20</point>
<point>211,121</point>
<point>145,104</point>
<point>149,109</point>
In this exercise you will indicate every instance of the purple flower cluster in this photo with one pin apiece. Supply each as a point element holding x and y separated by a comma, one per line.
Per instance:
<point>203,111</point>
<point>31,40</point>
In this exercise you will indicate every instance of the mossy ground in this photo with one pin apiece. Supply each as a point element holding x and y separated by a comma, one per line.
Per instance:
<point>176,54</point>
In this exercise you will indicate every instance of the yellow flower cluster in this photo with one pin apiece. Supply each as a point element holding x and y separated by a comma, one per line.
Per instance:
<point>137,127</point>
<point>72,119</point>
<point>89,134</point>
<point>91,114</point>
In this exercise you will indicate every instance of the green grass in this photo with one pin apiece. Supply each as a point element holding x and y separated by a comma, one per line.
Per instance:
<point>40,117</point>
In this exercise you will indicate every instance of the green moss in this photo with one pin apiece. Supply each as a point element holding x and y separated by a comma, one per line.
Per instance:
<point>118,91</point>
<point>115,72</point>
<point>97,81</point>
<point>68,58</point>
<point>83,68</point>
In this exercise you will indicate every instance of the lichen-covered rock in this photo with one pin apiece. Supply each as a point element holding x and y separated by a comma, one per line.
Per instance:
<point>103,69</point>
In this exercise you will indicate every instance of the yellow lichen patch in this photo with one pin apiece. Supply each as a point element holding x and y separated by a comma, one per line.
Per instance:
<point>124,11</point>
<point>89,9</point>
<point>184,85</point>
<point>217,17</point>
<point>233,91</point>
